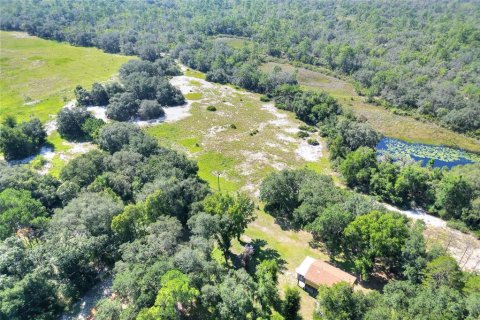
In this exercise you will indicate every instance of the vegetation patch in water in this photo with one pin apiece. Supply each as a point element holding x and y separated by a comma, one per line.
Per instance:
<point>443,156</point>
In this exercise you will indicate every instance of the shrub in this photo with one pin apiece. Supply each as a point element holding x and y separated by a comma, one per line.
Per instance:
<point>291,305</point>
<point>264,98</point>
<point>211,108</point>
<point>233,126</point>
<point>150,109</point>
<point>308,128</point>
<point>254,132</point>
<point>70,122</point>
<point>302,134</point>
<point>91,127</point>
<point>38,162</point>
<point>458,225</point>
<point>312,142</point>
<point>22,140</point>
<point>122,107</point>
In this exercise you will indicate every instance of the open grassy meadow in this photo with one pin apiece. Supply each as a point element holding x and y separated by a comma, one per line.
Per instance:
<point>242,141</point>
<point>37,76</point>
<point>235,43</point>
<point>390,124</point>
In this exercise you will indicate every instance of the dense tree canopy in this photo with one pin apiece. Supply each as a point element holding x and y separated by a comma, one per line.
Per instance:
<point>420,56</point>
<point>18,141</point>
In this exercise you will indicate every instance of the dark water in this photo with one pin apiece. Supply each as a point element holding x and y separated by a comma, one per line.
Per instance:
<point>442,156</point>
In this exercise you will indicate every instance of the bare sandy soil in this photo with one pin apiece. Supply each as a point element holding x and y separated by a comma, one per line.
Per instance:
<point>465,248</point>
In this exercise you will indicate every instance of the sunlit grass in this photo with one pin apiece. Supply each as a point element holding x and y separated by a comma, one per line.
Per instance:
<point>37,76</point>
<point>194,74</point>
<point>193,96</point>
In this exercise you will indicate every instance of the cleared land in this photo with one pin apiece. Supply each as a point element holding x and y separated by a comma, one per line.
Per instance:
<point>37,76</point>
<point>242,141</point>
<point>390,124</point>
<point>243,157</point>
<point>235,43</point>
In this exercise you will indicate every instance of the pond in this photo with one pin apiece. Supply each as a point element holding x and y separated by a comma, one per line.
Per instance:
<point>442,156</point>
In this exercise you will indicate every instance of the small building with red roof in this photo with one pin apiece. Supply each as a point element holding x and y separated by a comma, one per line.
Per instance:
<point>313,273</point>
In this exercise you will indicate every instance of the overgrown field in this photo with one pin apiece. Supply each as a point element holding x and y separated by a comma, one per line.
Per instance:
<point>390,124</point>
<point>37,76</point>
<point>242,141</point>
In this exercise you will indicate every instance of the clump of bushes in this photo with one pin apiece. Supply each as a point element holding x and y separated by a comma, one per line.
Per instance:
<point>38,162</point>
<point>265,98</point>
<point>212,108</point>
<point>78,124</point>
<point>302,134</point>
<point>308,128</point>
<point>150,109</point>
<point>254,132</point>
<point>18,141</point>
<point>313,142</point>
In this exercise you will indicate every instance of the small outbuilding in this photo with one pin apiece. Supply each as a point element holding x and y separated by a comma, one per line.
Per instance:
<point>313,273</point>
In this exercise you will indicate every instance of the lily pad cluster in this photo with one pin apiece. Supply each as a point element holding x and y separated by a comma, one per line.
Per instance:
<point>399,149</point>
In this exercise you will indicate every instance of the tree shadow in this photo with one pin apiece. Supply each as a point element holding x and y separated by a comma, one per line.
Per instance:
<point>285,224</point>
<point>260,253</point>
<point>376,281</point>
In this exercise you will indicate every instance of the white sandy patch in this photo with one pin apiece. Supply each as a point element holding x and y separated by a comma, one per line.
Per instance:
<point>309,152</point>
<point>418,214</point>
<point>285,138</point>
<point>70,104</point>
<point>280,122</point>
<point>31,103</point>
<point>279,165</point>
<point>183,84</point>
<point>270,107</point>
<point>99,112</point>
<point>173,114</point>
<point>80,147</point>
<point>214,130</point>
<point>291,130</point>
<point>20,35</point>
<point>45,152</point>
<point>50,126</point>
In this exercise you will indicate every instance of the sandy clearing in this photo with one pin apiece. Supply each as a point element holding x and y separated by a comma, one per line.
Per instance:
<point>285,138</point>
<point>214,130</point>
<point>99,112</point>
<point>45,152</point>
<point>418,214</point>
<point>270,107</point>
<point>465,248</point>
<point>20,35</point>
<point>309,152</point>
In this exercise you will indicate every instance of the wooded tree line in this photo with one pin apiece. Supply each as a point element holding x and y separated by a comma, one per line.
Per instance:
<point>359,233</point>
<point>453,195</point>
<point>420,57</point>
<point>139,212</point>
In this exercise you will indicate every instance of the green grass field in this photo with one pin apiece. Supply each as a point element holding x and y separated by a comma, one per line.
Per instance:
<point>390,124</point>
<point>242,156</point>
<point>37,76</point>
